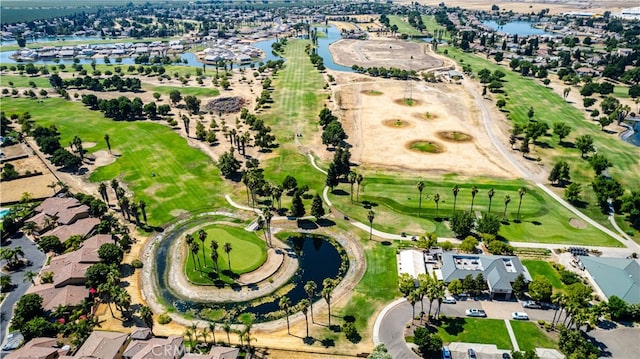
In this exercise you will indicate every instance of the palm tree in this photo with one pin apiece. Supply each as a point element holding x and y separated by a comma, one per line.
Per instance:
<point>215,256</point>
<point>413,298</point>
<point>30,276</point>
<point>102,188</point>
<point>370,216</point>
<point>359,180</point>
<point>328,285</point>
<point>277,195</point>
<point>29,228</point>
<point>227,329</point>
<point>53,186</point>
<point>491,193</point>
<point>195,248</point>
<point>352,179</point>
<point>507,199</point>
<point>267,221</point>
<point>304,308</point>
<point>147,316</point>
<point>439,293</point>
<point>474,191</point>
<point>285,303</point>
<point>188,238</point>
<point>436,198</point>
<point>106,139</point>
<point>202,235</point>
<point>227,249</point>
<point>5,283</point>
<point>133,208</point>
<point>522,191</point>
<point>420,188</point>
<point>212,330</point>
<point>455,190</point>
<point>204,332</point>
<point>310,288</point>
<point>114,187</point>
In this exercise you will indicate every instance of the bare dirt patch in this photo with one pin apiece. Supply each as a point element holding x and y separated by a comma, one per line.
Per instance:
<point>426,146</point>
<point>411,102</point>
<point>428,116</point>
<point>576,223</point>
<point>397,123</point>
<point>372,93</point>
<point>454,136</point>
<point>383,52</point>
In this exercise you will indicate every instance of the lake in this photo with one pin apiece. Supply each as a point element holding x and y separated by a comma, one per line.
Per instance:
<point>520,28</point>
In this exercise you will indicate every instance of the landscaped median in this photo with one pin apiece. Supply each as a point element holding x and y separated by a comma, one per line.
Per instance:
<point>474,330</point>
<point>530,336</point>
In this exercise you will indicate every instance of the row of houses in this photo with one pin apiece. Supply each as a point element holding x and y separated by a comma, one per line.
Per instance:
<point>155,48</point>
<point>140,344</point>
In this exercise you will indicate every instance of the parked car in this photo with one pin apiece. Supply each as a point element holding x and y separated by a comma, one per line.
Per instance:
<point>531,304</point>
<point>471,353</point>
<point>449,300</point>
<point>446,353</point>
<point>519,316</point>
<point>475,312</point>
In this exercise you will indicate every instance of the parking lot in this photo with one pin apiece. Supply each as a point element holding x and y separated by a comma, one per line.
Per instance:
<point>496,309</point>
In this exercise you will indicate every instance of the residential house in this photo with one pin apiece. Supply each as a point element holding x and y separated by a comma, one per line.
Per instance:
<point>103,345</point>
<point>614,276</point>
<point>62,210</point>
<point>83,228</point>
<point>148,347</point>
<point>39,348</point>
<point>499,271</point>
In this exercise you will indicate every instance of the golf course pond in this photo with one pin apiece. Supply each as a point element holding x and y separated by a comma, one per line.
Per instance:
<point>318,257</point>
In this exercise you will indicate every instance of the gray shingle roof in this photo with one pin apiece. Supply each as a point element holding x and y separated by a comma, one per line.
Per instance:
<point>615,276</point>
<point>493,268</point>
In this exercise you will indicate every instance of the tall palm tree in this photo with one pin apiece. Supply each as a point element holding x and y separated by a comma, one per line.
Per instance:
<point>204,332</point>
<point>420,188</point>
<point>310,288</point>
<point>29,227</point>
<point>491,193</point>
<point>455,191</point>
<point>227,249</point>
<point>227,329</point>
<point>267,221</point>
<point>285,303</point>
<point>102,188</point>
<point>277,195</point>
<point>507,199</point>
<point>133,208</point>
<point>53,186</point>
<point>352,179</point>
<point>202,235</point>
<point>436,199</point>
<point>424,282</point>
<point>413,298</point>
<point>114,186</point>
<point>29,276</point>
<point>304,308</point>
<point>195,248</point>
<point>328,285</point>
<point>212,330</point>
<point>359,179</point>
<point>147,316</point>
<point>370,216</point>
<point>106,139</point>
<point>215,255</point>
<point>143,208</point>
<point>474,191</point>
<point>188,238</point>
<point>521,192</point>
<point>439,293</point>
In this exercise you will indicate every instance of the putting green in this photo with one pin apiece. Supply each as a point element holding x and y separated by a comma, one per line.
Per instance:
<point>248,252</point>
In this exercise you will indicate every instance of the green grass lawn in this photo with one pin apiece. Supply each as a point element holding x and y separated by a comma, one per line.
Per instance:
<point>298,99</point>
<point>184,91</point>
<point>404,27</point>
<point>186,180</point>
<point>23,81</point>
<point>543,268</point>
<point>395,201</point>
<point>378,286</point>
<point>621,91</point>
<point>530,336</point>
<point>248,252</point>
<point>475,330</point>
<point>432,25</point>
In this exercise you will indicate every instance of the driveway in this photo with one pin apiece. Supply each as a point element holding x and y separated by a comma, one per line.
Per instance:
<point>619,343</point>
<point>37,258</point>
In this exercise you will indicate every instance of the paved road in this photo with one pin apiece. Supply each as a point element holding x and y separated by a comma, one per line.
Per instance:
<point>389,329</point>
<point>619,343</point>
<point>37,258</point>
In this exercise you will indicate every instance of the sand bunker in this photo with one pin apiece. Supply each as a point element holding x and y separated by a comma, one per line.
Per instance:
<point>411,102</point>
<point>428,116</point>
<point>372,93</point>
<point>576,223</point>
<point>454,136</point>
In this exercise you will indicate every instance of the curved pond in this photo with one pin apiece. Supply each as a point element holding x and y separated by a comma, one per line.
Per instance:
<point>520,28</point>
<point>633,136</point>
<point>332,34</point>
<point>318,259</point>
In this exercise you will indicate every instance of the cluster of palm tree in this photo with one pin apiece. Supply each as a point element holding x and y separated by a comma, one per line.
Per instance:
<point>474,191</point>
<point>110,292</point>
<point>193,333</point>
<point>194,247</point>
<point>353,178</point>
<point>128,207</point>
<point>13,256</point>
<point>574,304</point>
<point>305,306</point>
<point>428,286</point>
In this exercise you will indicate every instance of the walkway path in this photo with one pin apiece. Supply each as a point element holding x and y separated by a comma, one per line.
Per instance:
<point>512,336</point>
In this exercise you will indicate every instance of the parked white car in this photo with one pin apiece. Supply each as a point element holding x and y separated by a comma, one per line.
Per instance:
<point>449,300</point>
<point>474,312</point>
<point>519,316</point>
